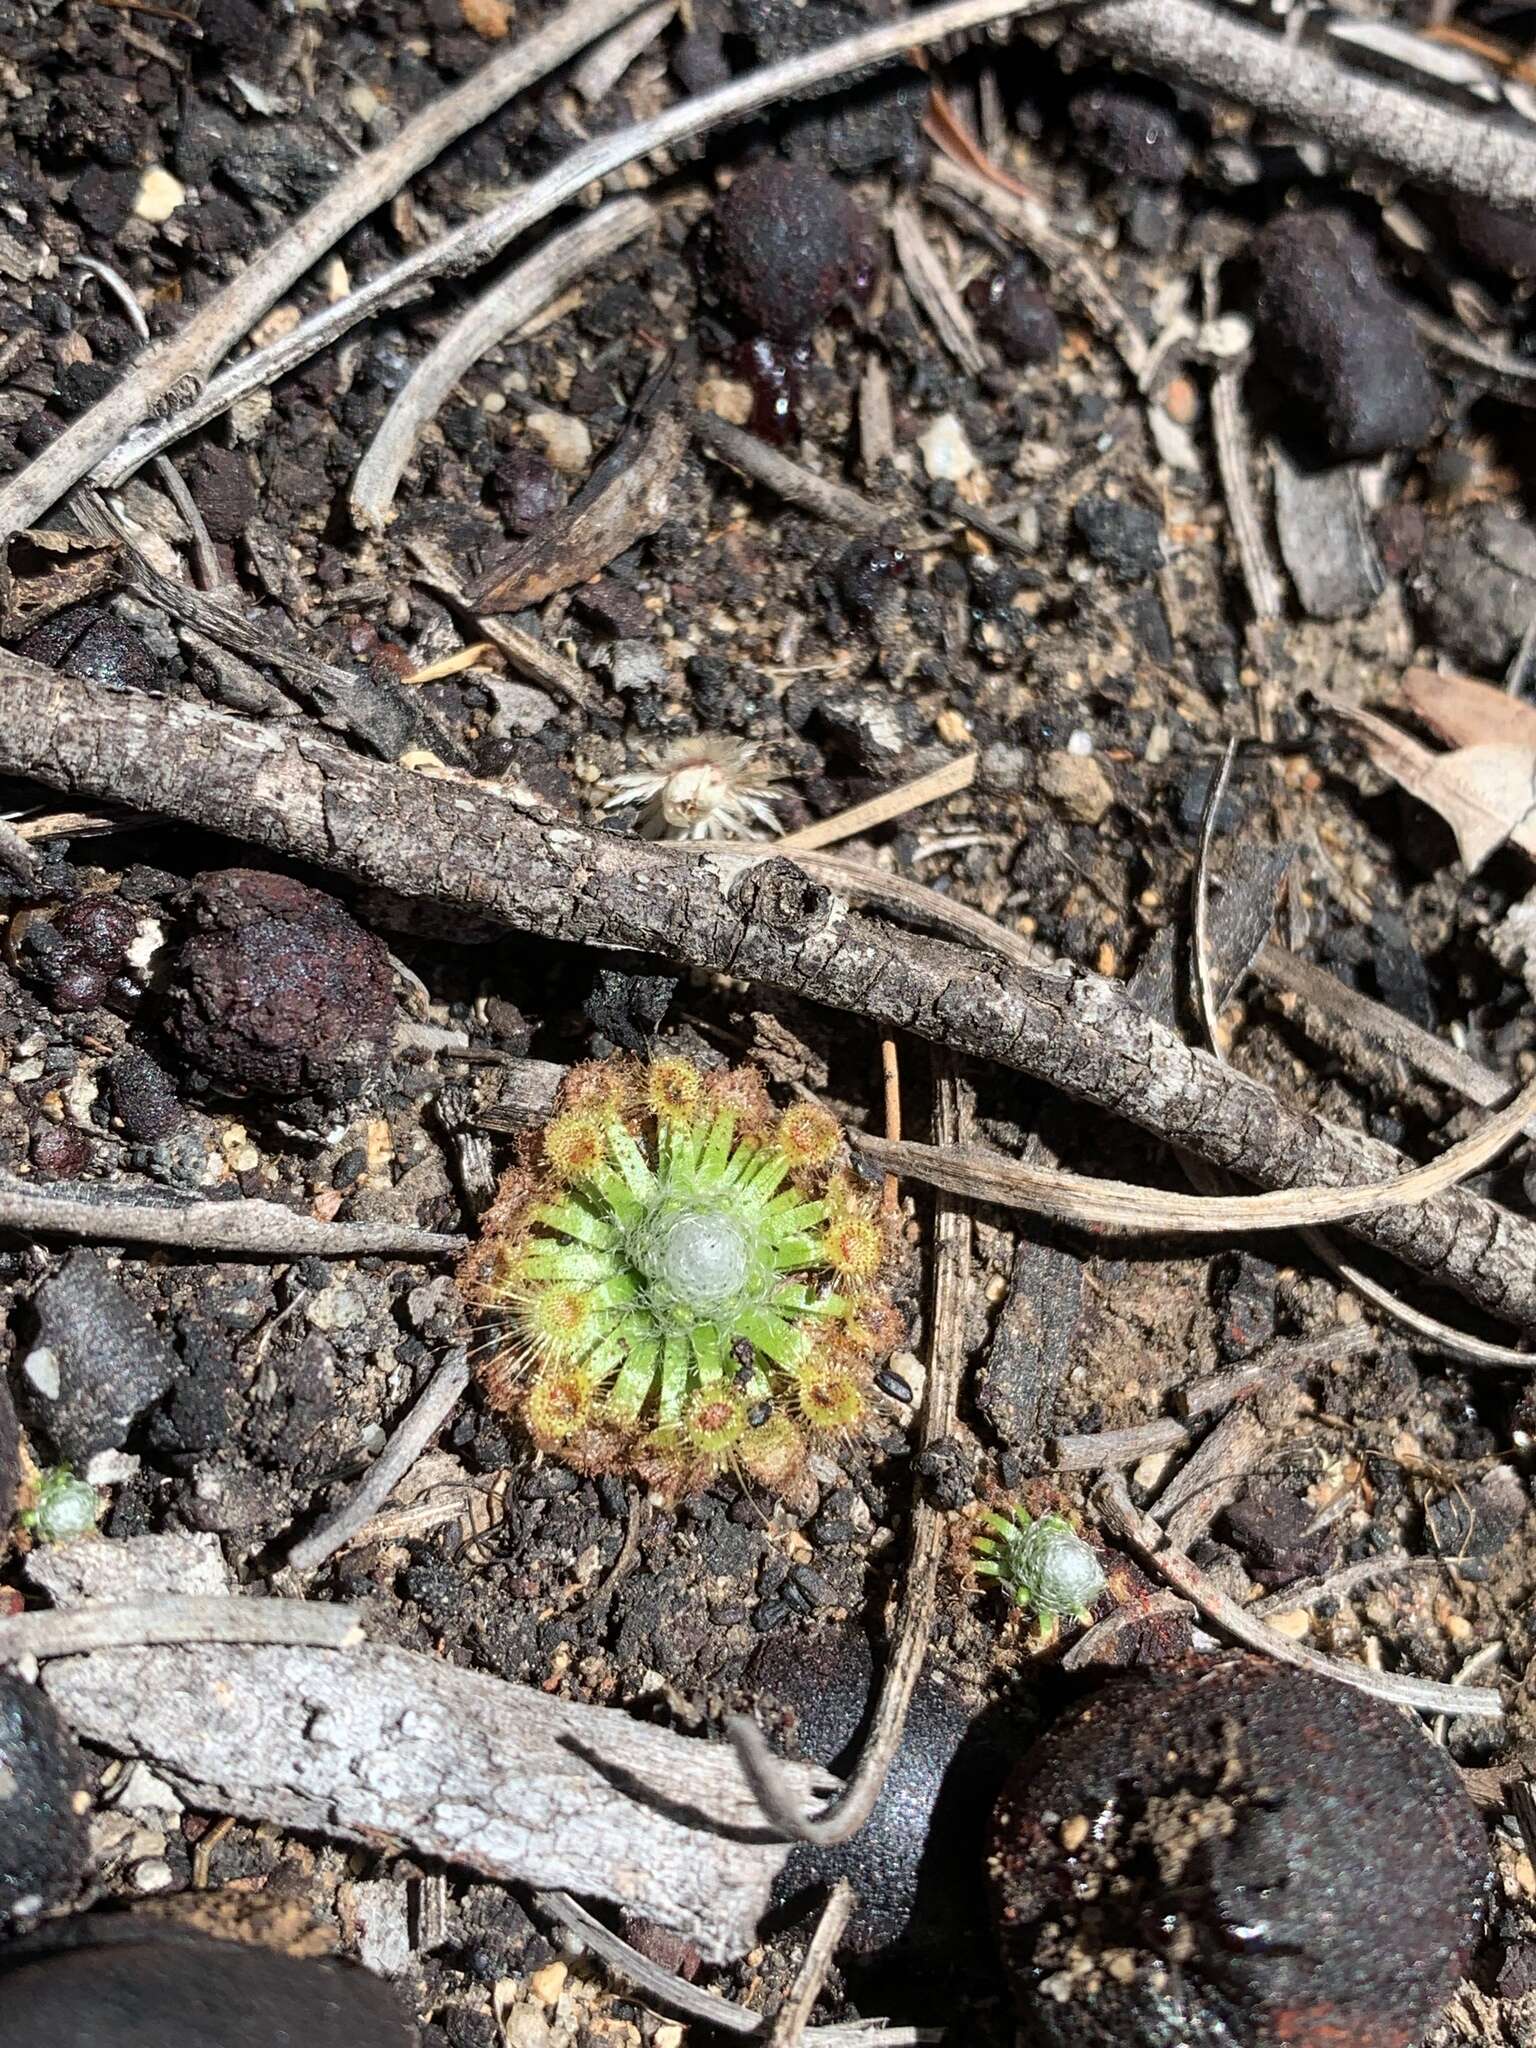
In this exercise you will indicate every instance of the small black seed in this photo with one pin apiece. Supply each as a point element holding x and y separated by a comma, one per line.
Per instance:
<point>892,1383</point>
<point>757,1416</point>
<point>798,1600</point>
<point>769,1615</point>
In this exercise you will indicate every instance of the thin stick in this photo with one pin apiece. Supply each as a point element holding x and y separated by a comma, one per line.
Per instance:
<point>1428,1329</point>
<point>431,1410</point>
<point>1433,1057</point>
<point>1126,1522</point>
<point>1287,1358</point>
<point>261,1230</point>
<point>1342,1583</point>
<point>1206,1004</point>
<point>788,2029</point>
<point>879,810</point>
<point>478,240</point>
<point>694,2002</point>
<point>1123,1205</point>
<point>848,1812</point>
<point>528,656</point>
<point>180,366</point>
<point>1354,113</point>
<point>1234,464</point>
<point>510,301</point>
<point>1108,1448</point>
<point>200,1618</point>
<point>890,1073</point>
<point>834,502</point>
<point>756,915</point>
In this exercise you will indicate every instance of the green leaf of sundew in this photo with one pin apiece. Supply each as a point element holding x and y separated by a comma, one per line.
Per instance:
<point>573,1216</point>
<point>791,1211</point>
<point>637,1375</point>
<point>577,1265</point>
<point>741,1163</point>
<point>675,1354</point>
<point>708,1354</point>
<point>794,1253</point>
<point>765,1176</point>
<point>631,1162</point>
<point>628,1208</point>
<point>716,1152</point>
<point>774,1337</point>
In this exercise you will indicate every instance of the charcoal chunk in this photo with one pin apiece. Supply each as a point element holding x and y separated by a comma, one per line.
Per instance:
<point>1335,339</point>
<point>97,1361</point>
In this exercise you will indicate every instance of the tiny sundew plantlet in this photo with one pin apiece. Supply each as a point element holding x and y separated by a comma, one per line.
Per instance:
<point>1041,1563</point>
<point>63,1507</point>
<point>680,1280</point>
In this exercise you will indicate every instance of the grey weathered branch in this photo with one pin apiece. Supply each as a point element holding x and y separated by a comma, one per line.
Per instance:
<point>755,916</point>
<point>245,1230</point>
<point>380,1745</point>
<point>1356,114</point>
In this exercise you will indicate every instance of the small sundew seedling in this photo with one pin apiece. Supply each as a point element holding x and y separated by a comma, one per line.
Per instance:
<point>63,1507</point>
<point>1041,1563</point>
<point>679,1281</point>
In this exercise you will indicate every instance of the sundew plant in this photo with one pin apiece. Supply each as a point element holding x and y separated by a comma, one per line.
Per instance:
<point>680,1280</point>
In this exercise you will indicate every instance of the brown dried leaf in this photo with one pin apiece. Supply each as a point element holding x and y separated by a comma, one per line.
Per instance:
<point>1466,712</point>
<point>628,502</point>
<point>1486,793</point>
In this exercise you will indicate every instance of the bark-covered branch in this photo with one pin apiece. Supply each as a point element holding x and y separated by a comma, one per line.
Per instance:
<point>757,917</point>
<point>386,1746</point>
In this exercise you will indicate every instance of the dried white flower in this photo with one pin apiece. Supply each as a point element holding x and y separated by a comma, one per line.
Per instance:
<point>707,788</point>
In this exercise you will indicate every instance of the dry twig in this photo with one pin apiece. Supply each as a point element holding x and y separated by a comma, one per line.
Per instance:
<point>759,916</point>
<point>834,502</point>
<point>1356,114</point>
<point>788,2029</point>
<point>1123,1205</point>
<point>510,301</point>
<point>213,1618</point>
<point>161,376</point>
<point>1124,1521</point>
<point>427,1416</point>
<point>243,1230</point>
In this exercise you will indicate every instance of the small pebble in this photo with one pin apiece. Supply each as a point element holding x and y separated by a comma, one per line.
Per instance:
<point>893,1384</point>
<point>565,440</point>
<point>82,955</point>
<point>1125,537</point>
<point>1011,310</point>
<point>946,453</point>
<point>159,195</point>
<point>1132,131</point>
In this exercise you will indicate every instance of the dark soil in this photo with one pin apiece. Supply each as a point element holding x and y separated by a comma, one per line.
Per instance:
<point>169,1024</point>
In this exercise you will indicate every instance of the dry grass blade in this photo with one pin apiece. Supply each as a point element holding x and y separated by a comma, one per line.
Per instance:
<point>1124,1521</point>
<point>929,284</point>
<point>1205,993</point>
<point>848,1812</point>
<point>513,299</point>
<point>1122,1205</point>
<point>879,810</point>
